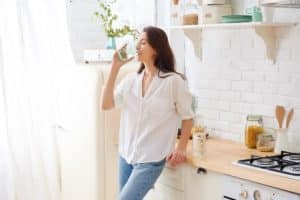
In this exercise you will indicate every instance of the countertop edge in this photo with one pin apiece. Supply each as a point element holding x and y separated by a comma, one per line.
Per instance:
<point>226,166</point>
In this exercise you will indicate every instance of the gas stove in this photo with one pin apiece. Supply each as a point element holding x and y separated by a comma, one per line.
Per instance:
<point>285,164</point>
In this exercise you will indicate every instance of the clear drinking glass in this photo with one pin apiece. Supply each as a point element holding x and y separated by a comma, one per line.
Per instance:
<point>199,144</point>
<point>129,50</point>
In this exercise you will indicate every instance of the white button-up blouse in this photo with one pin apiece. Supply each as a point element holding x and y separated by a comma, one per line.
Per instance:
<point>149,124</point>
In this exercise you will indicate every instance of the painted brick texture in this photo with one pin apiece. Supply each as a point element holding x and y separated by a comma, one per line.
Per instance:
<point>235,78</point>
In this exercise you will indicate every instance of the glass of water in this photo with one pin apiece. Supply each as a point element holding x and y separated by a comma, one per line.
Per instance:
<point>129,50</point>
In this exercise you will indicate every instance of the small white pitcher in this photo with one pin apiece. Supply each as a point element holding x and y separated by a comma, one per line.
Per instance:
<point>281,140</point>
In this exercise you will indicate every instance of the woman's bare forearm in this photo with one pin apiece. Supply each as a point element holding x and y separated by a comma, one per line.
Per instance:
<point>179,154</point>
<point>107,100</point>
<point>186,128</point>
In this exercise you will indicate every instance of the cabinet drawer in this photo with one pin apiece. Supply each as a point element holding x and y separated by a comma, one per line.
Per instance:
<point>173,177</point>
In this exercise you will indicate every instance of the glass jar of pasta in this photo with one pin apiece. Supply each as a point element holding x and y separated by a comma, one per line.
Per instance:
<point>254,127</point>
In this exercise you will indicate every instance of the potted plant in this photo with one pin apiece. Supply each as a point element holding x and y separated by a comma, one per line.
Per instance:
<point>109,19</point>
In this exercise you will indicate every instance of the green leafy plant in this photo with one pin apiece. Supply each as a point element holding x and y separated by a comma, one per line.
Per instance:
<point>108,19</point>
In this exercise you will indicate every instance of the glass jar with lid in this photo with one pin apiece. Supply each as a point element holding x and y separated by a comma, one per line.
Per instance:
<point>175,12</point>
<point>265,142</point>
<point>190,12</point>
<point>253,128</point>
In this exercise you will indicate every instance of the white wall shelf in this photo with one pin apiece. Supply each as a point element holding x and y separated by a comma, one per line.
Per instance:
<point>232,25</point>
<point>264,30</point>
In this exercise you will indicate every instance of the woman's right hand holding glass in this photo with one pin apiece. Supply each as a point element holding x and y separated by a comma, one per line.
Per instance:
<point>117,61</point>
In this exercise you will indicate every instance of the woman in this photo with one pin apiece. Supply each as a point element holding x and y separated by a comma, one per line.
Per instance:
<point>153,100</point>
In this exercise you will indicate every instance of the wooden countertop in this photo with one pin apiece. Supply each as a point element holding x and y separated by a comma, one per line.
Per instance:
<point>220,154</point>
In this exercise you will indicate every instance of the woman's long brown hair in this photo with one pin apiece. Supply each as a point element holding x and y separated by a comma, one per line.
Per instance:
<point>164,60</point>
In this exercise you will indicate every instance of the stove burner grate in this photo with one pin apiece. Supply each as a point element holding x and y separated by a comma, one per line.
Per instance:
<point>265,162</point>
<point>293,158</point>
<point>286,163</point>
<point>290,169</point>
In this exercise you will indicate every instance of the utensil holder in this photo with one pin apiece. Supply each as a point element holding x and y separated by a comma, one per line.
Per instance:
<point>281,140</point>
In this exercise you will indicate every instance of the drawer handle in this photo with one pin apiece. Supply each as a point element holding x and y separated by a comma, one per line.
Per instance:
<point>201,170</point>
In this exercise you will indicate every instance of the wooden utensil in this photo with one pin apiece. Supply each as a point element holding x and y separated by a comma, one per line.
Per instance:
<point>289,117</point>
<point>280,112</point>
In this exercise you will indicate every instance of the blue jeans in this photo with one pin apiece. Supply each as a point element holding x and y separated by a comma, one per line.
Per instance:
<point>137,179</point>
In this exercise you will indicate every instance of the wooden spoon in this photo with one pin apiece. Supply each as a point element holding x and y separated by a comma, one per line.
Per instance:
<point>289,117</point>
<point>280,112</point>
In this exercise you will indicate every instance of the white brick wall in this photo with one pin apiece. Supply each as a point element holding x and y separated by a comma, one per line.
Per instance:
<point>235,78</point>
<point>245,86</point>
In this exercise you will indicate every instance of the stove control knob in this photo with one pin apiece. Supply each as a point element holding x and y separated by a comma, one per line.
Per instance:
<point>244,194</point>
<point>256,195</point>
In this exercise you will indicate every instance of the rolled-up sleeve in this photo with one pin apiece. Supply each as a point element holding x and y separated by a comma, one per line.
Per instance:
<point>183,99</point>
<point>120,90</point>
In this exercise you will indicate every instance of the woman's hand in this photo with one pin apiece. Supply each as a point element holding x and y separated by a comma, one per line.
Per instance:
<point>117,62</point>
<point>177,157</point>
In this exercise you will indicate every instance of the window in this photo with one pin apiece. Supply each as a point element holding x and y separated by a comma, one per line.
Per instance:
<point>137,13</point>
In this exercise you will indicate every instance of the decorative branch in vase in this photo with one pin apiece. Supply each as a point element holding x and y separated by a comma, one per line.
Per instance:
<point>109,19</point>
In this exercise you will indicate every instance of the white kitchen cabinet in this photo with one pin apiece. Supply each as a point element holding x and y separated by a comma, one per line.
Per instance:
<point>203,186</point>
<point>184,183</point>
<point>170,185</point>
<point>87,136</point>
<point>173,177</point>
<point>164,192</point>
<point>79,137</point>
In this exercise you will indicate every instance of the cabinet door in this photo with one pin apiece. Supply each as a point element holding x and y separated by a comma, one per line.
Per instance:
<point>164,192</point>
<point>170,184</point>
<point>80,144</point>
<point>169,193</point>
<point>173,177</point>
<point>204,186</point>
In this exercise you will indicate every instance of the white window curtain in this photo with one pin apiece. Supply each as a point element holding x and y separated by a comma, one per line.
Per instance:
<point>34,47</point>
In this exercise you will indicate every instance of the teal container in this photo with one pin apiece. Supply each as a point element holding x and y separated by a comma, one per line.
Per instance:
<point>236,18</point>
